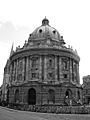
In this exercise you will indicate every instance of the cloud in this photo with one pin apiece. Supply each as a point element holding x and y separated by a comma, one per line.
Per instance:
<point>9,33</point>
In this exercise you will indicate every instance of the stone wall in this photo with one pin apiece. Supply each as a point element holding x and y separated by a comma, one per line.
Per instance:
<point>63,69</point>
<point>43,96</point>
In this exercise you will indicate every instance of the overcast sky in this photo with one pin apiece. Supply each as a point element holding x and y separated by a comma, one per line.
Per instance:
<point>19,18</point>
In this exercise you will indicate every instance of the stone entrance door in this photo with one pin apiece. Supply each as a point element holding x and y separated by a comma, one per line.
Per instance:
<point>8,96</point>
<point>51,96</point>
<point>16,97</point>
<point>32,96</point>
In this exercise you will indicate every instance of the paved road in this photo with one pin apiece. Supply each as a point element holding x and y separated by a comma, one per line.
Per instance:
<point>9,114</point>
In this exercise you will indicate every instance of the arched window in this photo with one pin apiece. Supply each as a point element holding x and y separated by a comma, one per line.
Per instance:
<point>51,96</point>
<point>16,96</point>
<point>50,63</point>
<point>32,96</point>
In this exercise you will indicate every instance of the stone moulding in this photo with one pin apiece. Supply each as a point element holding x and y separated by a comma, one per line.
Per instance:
<point>61,52</point>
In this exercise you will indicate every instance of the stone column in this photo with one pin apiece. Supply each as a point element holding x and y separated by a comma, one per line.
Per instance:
<point>70,70</point>
<point>23,70</point>
<point>10,74</point>
<point>13,80</point>
<point>56,76</point>
<point>30,66</point>
<point>78,77</point>
<point>45,69</point>
<point>60,69</point>
<point>40,69</point>
<point>27,68</point>
<point>16,68</point>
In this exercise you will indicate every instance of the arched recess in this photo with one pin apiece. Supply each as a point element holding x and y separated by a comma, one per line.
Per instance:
<point>16,96</point>
<point>68,93</point>
<point>32,96</point>
<point>8,96</point>
<point>78,93</point>
<point>51,96</point>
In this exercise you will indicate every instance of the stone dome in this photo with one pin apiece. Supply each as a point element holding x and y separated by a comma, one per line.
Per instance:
<point>45,31</point>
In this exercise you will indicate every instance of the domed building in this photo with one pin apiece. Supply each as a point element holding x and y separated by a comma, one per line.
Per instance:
<point>44,71</point>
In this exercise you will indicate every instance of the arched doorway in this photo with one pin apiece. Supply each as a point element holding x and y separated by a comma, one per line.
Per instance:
<point>68,93</point>
<point>8,96</point>
<point>51,96</point>
<point>88,100</point>
<point>32,96</point>
<point>16,97</point>
<point>68,97</point>
<point>78,92</point>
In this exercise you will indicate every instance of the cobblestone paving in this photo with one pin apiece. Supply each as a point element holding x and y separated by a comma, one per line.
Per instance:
<point>9,114</point>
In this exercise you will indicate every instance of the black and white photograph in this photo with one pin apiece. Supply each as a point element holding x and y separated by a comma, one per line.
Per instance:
<point>44,60</point>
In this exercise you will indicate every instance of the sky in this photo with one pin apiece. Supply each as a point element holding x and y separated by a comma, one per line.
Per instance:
<point>19,18</point>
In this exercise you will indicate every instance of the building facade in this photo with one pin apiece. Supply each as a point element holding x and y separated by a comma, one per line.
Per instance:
<point>44,71</point>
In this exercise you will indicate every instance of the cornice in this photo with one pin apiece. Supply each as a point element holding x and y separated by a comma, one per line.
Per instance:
<point>43,51</point>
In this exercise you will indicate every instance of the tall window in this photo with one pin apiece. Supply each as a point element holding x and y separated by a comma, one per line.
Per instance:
<point>34,62</point>
<point>19,77</point>
<point>50,63</point>
<point>65,65</point>
<point>35,75</point>
<point>12,67</point>
<point>20,65</point>
<point>65,75</point>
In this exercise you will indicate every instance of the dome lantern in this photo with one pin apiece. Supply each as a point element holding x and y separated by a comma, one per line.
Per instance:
<point>45,21</point>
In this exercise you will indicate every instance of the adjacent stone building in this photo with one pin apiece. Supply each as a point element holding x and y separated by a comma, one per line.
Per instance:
<point>86,89</point>
<point>6,79</point>
<point>44,71</point>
